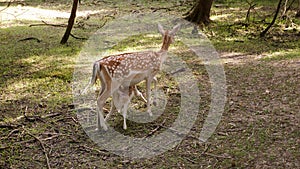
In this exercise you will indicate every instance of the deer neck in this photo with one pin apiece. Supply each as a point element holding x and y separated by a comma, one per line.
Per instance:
<point>166,42</point>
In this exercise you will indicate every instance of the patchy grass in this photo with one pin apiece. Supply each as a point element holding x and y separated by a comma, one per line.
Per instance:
<point>284,55</point>
<point>35,74</point>
<point>259,128</point>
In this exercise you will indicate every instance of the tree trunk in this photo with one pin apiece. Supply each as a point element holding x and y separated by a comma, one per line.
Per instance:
<point>298,11</point>
<point>70,23</point>
<point>262,34</point>
<point>200,12</point>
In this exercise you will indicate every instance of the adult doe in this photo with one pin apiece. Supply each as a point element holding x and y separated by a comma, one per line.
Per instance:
<point>124,71</point>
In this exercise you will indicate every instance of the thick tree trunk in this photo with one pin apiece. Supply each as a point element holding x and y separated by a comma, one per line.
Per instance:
<point>70,23</point>
<point>200,12</point>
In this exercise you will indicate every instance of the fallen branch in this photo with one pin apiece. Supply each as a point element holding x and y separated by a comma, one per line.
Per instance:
<point>29,118</point>
<point>9,3</point>
<point>42,145</point>
<point>75,37</point>
<point>30,38</point>
<point>48,24</point>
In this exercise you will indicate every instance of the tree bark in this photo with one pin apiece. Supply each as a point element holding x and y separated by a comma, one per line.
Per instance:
<point>298,11</point>
<point>262,34</point>
<point>70,23</point>
<point>200,12</point>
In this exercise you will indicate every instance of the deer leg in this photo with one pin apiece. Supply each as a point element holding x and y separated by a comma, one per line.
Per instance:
<point>124,116</point>
<point>148,86</point>
<point>139,94</point>
<point>112,109</point>
<point>155,91</point>
<point>126,105</point>
<point>100,102</point>
<point>116,99</point>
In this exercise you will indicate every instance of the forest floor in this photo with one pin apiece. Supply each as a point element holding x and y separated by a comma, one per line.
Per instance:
<point>39,127</point>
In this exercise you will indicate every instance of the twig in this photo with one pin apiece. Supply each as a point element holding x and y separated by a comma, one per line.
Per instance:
<point>287,9</point>
<point>251,6</point>
<point>161,8</point>
<point>50,115</point>
<point>251,134</point>
<point>50,138</point>
<point>154,130</point>
<point>24,141</point>
<point>104,23</point>
<point>217,156</point>
<point>42,145</point>
<point>29,118</point>
<point>205,150</point>
<point>3,147</point>
<point>179,133</point>
<point>75,37</point>
<point>166,8</point>
<point>190,160</point>
<point>10,133</point>
<point>188,12</point>
<point>93,149</point>
<point>178,71</point>
<point>5,125</point>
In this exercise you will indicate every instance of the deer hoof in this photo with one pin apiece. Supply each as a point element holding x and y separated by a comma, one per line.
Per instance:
<point>103,126</point>
<point>150,113</point>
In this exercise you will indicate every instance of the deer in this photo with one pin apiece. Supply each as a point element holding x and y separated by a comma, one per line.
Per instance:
<point>120,98</point>
<point>122,72</point>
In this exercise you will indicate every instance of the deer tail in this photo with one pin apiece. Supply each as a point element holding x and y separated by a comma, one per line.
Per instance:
<point>95,76</point>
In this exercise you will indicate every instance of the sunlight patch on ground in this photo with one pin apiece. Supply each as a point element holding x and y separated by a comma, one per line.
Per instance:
<point>238,58</point>
<point>19,13</point>
<point>284,55</point>
<point>219,17</point>
<point>22,88</point>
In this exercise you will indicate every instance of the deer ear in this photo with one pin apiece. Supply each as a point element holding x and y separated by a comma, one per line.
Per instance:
<point>161,29</point>
<point>175,29</point>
